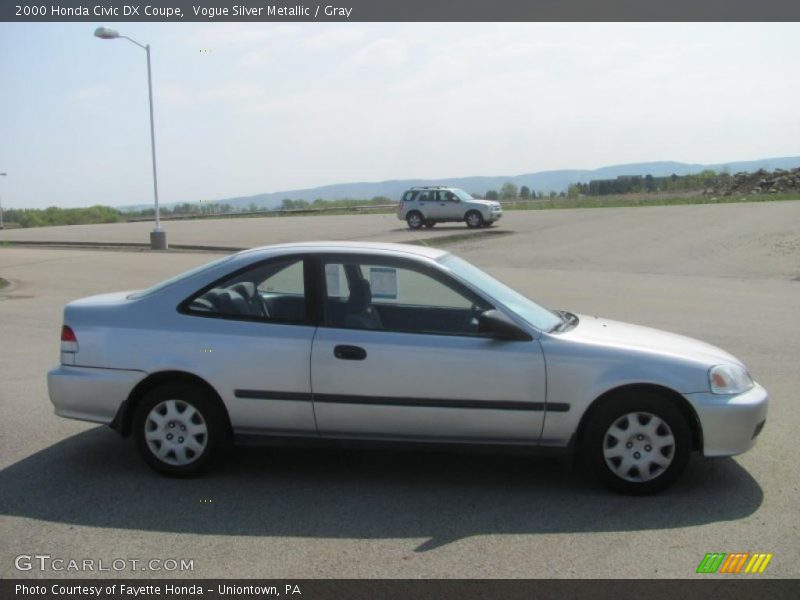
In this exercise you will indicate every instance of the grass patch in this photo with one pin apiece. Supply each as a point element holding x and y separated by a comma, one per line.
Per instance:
<point>3,283</point>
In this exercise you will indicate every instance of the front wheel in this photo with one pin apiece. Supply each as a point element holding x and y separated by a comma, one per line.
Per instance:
<point>474,219</point>
<point>180,429</point>
<point>637,443</point>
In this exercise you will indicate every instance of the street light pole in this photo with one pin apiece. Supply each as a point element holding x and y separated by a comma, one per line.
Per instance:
<point>2,226</point>
<point>158,237</point>
<point>153,151</point>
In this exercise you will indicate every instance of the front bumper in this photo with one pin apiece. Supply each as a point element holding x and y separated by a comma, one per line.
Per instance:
<point>494,216</point>
<point>730,424</point>
<point>89,394</point>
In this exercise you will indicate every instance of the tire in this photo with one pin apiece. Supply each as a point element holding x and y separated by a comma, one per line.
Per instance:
<point>474,219</point>
<point>629,451</point>
<point>487,224</point>
<point>430,224</point>
<point>172,409</point>
<point>414,219</point>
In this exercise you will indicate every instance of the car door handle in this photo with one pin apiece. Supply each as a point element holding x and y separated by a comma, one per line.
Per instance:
<point>350,352</point>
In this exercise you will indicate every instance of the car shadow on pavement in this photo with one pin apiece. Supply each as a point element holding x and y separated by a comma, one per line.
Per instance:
<point>95,479</point>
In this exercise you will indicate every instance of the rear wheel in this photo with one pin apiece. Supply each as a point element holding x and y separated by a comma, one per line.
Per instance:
<point>637,443</point>
<point>474,219</point>
<point>414,220</point>
<point>180,429</point>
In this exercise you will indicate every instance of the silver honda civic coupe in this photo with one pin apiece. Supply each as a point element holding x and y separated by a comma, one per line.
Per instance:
<point>389,342</point>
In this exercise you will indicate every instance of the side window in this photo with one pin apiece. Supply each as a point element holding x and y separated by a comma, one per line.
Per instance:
<point>409,196</point>
<point>424,197</point>
<point>336,281</point>
<point>445,196</point>
<point>273,292</point>
<point>391,296</point>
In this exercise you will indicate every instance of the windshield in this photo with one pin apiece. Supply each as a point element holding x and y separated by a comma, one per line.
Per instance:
<point>462,195</point>
<point>538,316</point>
<point>179,277</point>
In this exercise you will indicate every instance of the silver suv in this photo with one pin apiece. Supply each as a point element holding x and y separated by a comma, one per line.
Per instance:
<point>430,205</point>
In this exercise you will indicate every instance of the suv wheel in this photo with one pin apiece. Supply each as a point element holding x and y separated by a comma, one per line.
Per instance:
<point>637,443</point>
<point>180,429</point>
<point>474,219</point>
<point>414,220</point>
<point>430,224</point>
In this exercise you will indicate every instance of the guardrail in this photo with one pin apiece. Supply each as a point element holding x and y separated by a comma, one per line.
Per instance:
<point>359,209</point>
<point>271,213</point>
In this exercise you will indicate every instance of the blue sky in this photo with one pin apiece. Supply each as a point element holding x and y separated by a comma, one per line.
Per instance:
<point>249,108</point>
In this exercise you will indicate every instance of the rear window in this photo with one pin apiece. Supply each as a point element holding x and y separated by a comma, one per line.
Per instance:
<point>180,277</point>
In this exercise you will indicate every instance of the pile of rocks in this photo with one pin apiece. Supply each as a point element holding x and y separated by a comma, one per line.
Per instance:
<point>760,182</point>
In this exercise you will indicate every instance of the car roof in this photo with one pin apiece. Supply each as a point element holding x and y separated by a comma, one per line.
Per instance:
<point>323,247</point>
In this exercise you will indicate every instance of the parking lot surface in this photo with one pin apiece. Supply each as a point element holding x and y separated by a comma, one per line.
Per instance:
<point>727,274</point>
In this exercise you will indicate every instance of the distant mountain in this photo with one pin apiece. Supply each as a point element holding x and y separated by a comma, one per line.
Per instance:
<point>542,181</point>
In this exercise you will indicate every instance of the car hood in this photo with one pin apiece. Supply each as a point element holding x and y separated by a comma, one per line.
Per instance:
<point>489,203</point>
<point>616,334</point>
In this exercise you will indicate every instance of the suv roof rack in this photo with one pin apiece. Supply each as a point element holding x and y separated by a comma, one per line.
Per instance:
<point>431,187</point>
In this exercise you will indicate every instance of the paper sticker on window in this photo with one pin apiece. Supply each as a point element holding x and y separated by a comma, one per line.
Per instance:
<point>332,281</point>
<point>383,281</point>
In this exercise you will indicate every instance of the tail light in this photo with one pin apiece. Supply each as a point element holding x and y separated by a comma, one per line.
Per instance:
<point>69,342</point>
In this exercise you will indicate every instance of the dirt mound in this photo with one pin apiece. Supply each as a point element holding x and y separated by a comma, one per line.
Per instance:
<point>760,182</point>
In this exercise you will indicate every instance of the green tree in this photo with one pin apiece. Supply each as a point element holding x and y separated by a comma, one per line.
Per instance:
<point>525,192</point>
<point>574,190</point>
<point>492,195</point>
<point>509,191</point>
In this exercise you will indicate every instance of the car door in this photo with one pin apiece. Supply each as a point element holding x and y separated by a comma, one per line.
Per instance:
<point>440,208</point>
<point>425,203</point>
<point>450,205</point>
<point>253,333</point>
<point>408,363</point>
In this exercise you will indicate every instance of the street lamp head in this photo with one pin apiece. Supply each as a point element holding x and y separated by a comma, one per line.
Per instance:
<point>104,33</point>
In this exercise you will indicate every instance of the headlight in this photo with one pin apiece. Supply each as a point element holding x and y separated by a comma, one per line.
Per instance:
<point>729,379</point>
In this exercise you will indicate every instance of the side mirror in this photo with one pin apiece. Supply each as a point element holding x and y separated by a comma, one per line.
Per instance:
<point>497,325</point>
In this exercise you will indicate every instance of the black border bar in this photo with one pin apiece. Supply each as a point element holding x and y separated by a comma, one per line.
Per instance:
<point>109,11</point>
<point>395,401</point>
<point>734,587</point>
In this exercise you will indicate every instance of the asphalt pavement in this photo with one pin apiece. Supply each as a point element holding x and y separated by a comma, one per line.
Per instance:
<point>727,274</point>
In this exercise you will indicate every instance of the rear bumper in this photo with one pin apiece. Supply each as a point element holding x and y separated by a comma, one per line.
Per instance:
<point>89,394</point>
<point>730,424</point>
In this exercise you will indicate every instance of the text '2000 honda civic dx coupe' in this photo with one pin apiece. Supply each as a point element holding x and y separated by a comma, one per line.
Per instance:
<point>388,342</point>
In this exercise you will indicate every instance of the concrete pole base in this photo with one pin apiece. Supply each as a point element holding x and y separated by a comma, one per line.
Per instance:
<point>158,240</point>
